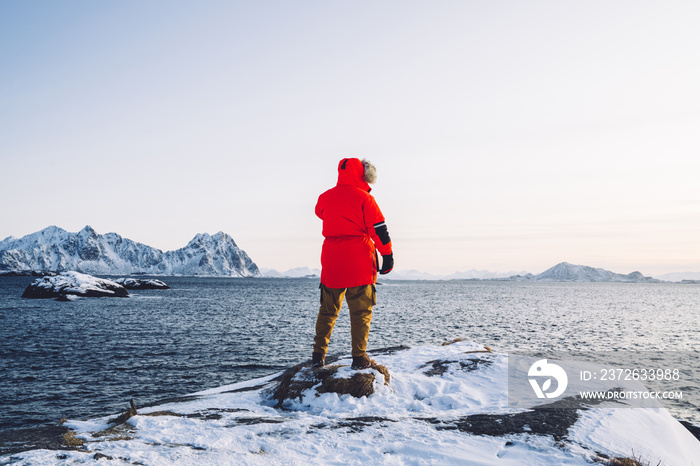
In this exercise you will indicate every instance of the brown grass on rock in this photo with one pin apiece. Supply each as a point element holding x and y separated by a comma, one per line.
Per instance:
<point>487,349</point>
<point>163,413</point>
<point>116,433</point>
<point>359,385</point>
<point>456,340</point>
<point>71,441</point>
<point>382,370</point>
<point>623,462</point>
<point>125,416</point>
<point>295,381</point>
<point>634,460</point>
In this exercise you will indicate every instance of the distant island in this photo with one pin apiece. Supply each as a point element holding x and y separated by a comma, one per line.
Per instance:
<point>56,250</point>
<point>562,272</point>
<point>565,272</point>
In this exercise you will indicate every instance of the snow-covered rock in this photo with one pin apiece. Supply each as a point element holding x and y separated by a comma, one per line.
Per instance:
<point>294,383</point>
<point>565,272</point>
<point>54,249</point>
<point>74,283</point>
<point>142,284</point>
<point>443,405</point>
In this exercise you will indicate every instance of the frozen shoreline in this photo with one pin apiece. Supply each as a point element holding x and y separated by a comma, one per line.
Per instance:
<point>438,398</point>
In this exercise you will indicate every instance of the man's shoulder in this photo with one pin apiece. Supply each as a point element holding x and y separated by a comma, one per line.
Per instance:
<point>346,190</point>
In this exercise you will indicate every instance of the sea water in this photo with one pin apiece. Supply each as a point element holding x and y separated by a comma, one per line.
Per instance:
<point>89,357</point>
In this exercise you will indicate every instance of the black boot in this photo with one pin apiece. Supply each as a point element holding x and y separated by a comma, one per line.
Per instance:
<point>318,360</point>
<point>362,362</point>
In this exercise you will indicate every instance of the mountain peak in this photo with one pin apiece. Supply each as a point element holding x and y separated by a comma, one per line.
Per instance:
<point>87,231</point>
<point>567,272</point>
<point>199,240</point>
<point>224,237</point>
<point>206,238</point>
<point>50,230</point>
<point>565,265</point>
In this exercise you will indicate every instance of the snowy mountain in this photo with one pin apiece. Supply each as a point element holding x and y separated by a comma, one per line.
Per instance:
<point>565,272</point>
<point>54,249</point>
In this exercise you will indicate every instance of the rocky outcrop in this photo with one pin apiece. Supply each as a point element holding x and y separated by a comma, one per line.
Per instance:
<point>295,381</point>
<point>75,284</point>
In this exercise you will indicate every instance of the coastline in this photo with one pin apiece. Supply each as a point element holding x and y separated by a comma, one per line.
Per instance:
<point>441,405</point>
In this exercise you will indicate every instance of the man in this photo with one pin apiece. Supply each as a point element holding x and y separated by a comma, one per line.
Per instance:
<point>354,231</point>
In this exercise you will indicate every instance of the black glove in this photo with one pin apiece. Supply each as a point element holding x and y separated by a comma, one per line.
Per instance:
<point>387,263</point>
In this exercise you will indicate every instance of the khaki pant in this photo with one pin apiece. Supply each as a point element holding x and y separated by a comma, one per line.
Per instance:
<point>360,300</point>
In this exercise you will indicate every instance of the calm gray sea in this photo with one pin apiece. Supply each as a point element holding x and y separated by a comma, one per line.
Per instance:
<point>87,358</point>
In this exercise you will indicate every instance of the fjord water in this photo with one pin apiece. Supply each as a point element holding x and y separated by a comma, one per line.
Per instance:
<point>88,357</point>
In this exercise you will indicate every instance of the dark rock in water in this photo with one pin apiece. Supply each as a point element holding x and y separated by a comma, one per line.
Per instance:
<point>66,298</point>
<point>142,284</point>
<point>692,428</point>
<point>27,273</point>
<point>292,383</point>
<point>74,283</point>
<point>129,413</point>
<point>42,437</point>
<point>439,367</point>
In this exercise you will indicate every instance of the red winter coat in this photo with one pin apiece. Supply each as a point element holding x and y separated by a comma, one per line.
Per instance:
<point>351,221</point>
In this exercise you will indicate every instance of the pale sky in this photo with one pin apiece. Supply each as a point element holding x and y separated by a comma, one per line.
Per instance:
<point>508,135</point>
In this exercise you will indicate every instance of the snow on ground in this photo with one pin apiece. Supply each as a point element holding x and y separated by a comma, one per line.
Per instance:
<point>141,283</point>
<point>430,413</point>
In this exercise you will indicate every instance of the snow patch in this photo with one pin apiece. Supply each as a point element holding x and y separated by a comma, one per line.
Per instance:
<point>424,416</point>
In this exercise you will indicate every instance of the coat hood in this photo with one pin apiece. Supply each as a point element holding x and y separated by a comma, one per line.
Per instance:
<point>352,172</point>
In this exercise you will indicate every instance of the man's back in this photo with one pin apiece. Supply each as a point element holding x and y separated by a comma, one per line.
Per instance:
<point>342,210</point>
